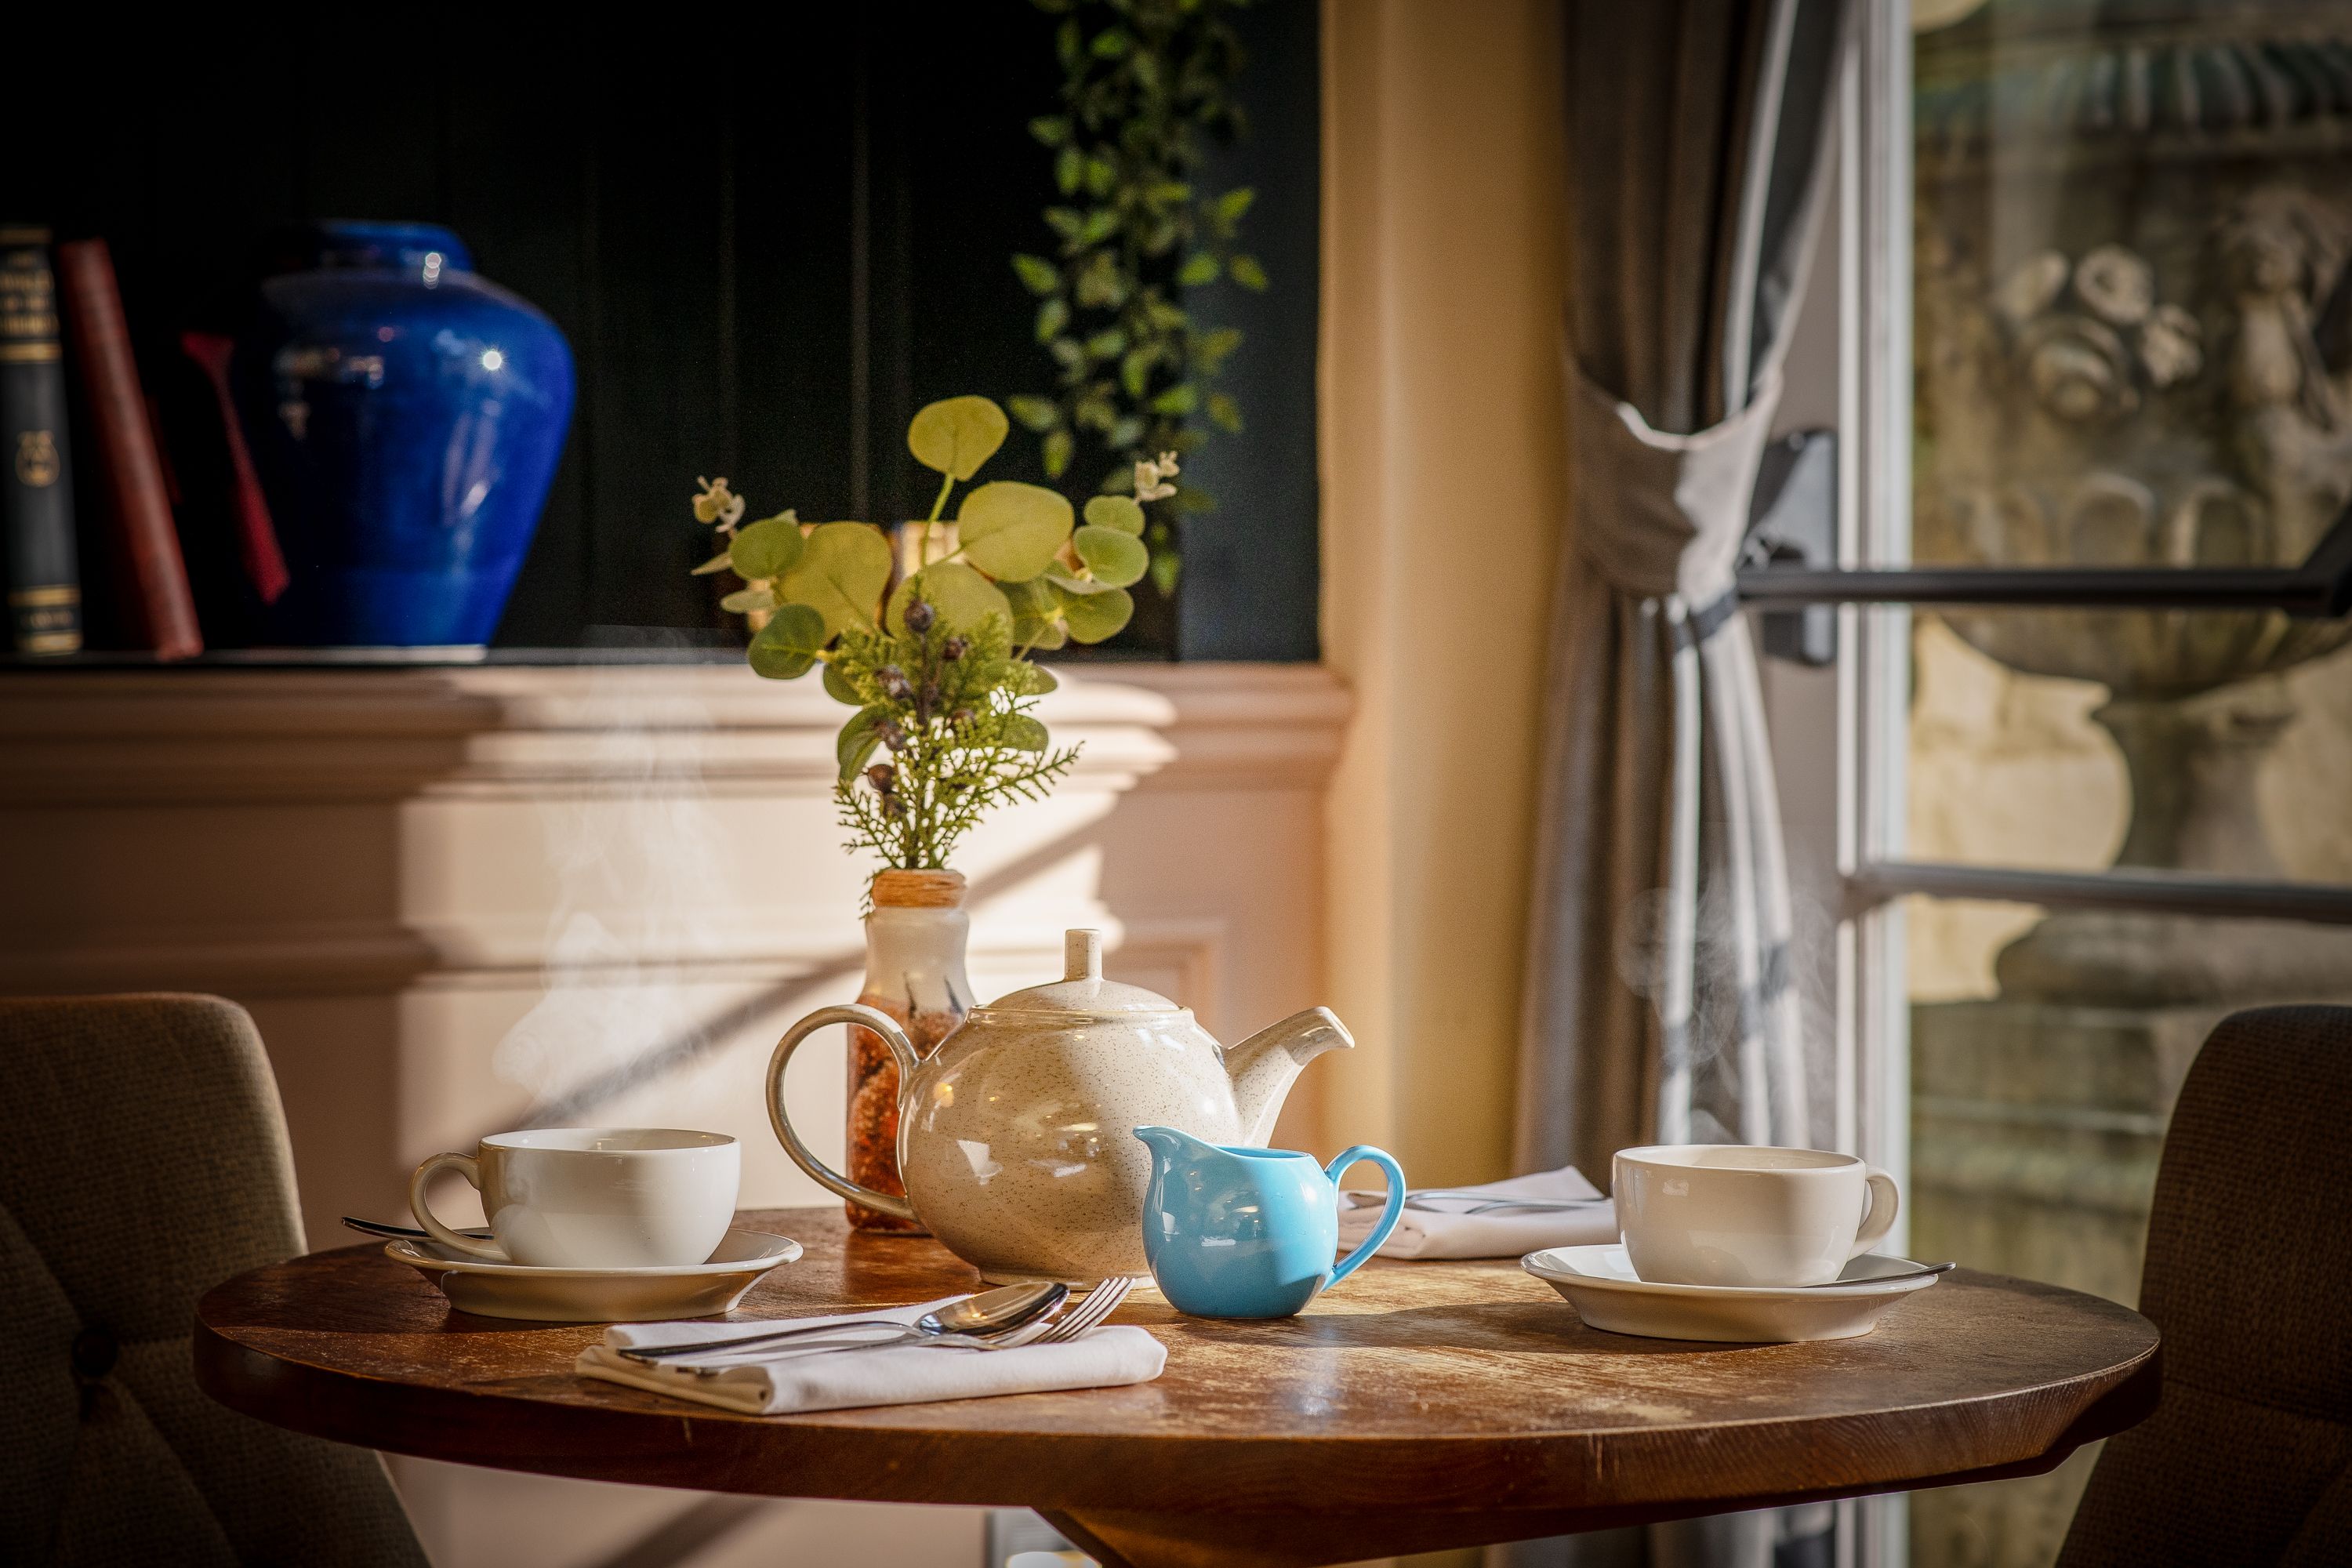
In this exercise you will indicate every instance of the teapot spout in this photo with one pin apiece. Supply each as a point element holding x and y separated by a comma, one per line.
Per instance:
<point>1264,1067</point>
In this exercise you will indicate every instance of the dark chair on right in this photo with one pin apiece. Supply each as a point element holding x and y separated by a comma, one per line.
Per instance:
<point>2249,1275</point>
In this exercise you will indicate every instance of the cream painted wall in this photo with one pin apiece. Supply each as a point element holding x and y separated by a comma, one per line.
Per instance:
<point>1444,473</point>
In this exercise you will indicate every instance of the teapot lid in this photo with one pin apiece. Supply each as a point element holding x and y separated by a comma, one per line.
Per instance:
<point>1082,988</point>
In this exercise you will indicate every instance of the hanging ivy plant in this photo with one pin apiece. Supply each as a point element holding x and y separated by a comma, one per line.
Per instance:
<point>1148,85</point>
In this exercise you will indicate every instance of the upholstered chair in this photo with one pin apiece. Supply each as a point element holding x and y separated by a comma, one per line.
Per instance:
<point>142,1160</point>
<point>2248,1458</point>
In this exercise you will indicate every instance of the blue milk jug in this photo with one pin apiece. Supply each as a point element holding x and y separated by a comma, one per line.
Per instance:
<point>1250,1233</point>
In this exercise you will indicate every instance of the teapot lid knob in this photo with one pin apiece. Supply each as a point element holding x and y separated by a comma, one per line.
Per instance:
<point>1082,956</point>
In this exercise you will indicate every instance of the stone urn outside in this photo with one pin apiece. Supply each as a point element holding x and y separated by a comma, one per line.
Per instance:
<point>2133,343</point>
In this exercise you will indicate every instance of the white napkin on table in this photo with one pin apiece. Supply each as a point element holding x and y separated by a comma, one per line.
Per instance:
<point>1447,1230</point>
<point>824,1372</point>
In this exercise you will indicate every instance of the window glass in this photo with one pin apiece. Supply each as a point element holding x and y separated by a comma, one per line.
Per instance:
<point>2216,742</point>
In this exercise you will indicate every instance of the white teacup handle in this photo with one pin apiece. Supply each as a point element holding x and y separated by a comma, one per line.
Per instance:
<point>1877,1219</point>
<point>465,1165</point>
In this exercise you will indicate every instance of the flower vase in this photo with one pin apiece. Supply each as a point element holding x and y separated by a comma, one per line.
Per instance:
<point>914,972</point>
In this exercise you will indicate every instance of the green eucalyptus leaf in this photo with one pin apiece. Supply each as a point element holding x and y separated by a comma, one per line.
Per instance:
<point>1038,414</point>
<point>768,548</point>
<point>1112,43</point>
<point>1011,531</point>
<point>743,601</point>
<point>1247,272</point>
<point>1038,275</point>
<point>719,562</point>
<point>1225,412</point>
<point>837,687</point>
<point>956,434</point>
<point>786,647</point>
<point>1115,558</point>
<point>963,598</point>
<point>1045,635</point>
<point>1164,567</point>
<point>1101,174</point>
<point>1093,610</point>
<point>1199,268</point>
<point>843,569</point>
<point>1123,436</point>
<point>1069,168</point>
<point>1109,344</point>
<point>858,740</point>
<point>1230,207</point>
<point>1024,679</point>
<point>1099,225</point>
<point>1120,512</point>
<point>1052,129</point>
<point>1031,598</point>
<point>1059,447</point>
<point>1178,400</point>
<point>1052,317</point>
<point>1023,733</point>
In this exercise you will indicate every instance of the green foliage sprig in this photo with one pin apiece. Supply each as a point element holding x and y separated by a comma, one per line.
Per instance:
<point>950,713</point>
<point>1146,84</point>
<point>935,660</point>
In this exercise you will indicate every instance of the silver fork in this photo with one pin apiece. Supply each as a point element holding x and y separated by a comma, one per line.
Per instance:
<point>1097,1303</point>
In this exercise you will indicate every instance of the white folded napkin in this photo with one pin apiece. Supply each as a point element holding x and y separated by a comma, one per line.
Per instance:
<point>828,1371</point>
<point>1447,1229</point>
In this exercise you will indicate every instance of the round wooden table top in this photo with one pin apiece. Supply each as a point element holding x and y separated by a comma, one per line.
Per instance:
<point>1419,1406</point>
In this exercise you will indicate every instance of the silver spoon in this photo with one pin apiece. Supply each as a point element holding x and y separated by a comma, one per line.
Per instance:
<point>406,1232</point>
<point>984,1316</point>
<point>1919,1273</point>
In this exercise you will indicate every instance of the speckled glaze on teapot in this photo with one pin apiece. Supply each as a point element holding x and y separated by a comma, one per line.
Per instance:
<point>1015,1135</point>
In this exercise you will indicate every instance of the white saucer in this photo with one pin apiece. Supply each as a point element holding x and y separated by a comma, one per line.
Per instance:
<point>599,1295</point>
<point>1601,1284</point>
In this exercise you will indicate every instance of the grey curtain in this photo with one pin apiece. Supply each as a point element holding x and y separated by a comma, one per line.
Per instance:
<point>1657,1006</point>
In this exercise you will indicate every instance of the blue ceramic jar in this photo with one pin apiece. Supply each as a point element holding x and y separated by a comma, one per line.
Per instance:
<point>405,417</point>
<point>1233,1232</point>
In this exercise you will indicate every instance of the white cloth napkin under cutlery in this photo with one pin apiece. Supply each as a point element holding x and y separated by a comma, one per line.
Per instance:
<point>1448,1227</point>
<point>828,1371</point>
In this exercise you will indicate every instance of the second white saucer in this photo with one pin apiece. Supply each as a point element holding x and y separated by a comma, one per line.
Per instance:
<point>600,1295</point>
<point>1599,1282</point>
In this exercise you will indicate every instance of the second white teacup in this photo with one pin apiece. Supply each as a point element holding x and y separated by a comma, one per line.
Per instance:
<point>594,1197</point>
<point>1734,1214</point>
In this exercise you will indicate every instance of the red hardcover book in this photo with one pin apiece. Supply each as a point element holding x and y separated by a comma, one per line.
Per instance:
<point>147,543</point>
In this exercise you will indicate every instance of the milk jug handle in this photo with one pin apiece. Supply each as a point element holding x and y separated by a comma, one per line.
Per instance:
<point>902,1050</point>
<point>1388,1216</point>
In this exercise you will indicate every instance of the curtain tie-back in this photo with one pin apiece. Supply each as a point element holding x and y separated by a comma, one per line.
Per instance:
<point>1659,515</point>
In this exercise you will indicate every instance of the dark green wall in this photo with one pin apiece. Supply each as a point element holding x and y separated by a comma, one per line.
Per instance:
<point>769,243</point>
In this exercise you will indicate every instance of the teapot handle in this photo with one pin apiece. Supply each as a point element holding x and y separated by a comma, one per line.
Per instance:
<point>902,1050</point>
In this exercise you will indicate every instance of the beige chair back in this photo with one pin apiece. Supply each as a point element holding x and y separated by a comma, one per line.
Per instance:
<point>144,1160</point>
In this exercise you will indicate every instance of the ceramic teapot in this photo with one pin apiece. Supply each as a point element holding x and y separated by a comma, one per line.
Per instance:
<point>1016,1133</point>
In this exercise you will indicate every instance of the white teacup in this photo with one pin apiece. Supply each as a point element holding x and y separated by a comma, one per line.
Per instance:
<point>594,1197</point>
<point>1731,1214</point>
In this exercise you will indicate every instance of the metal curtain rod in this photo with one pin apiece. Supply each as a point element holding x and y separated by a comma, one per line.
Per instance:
<point>2320,587</point>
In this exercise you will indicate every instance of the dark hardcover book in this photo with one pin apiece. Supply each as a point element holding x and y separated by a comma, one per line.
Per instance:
<point>37,517</point>
<point>138,502</point>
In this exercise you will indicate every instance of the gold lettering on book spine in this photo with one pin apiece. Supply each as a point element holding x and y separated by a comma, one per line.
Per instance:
<point>36,458</point>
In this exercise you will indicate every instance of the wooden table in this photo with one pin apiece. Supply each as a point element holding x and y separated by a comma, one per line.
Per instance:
<point>1420,1405</point>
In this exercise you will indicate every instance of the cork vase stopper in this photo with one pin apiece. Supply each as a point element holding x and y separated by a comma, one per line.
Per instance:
<point>917,889</point>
